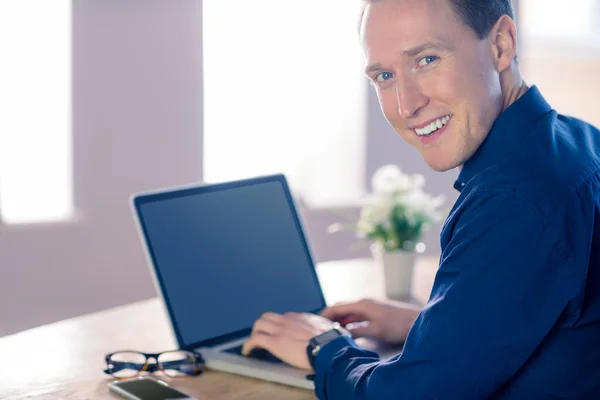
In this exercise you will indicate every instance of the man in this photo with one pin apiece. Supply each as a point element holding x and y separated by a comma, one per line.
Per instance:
<point>515,307</point>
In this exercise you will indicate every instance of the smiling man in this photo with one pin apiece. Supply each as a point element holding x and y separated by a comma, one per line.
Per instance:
<point>515,307</point>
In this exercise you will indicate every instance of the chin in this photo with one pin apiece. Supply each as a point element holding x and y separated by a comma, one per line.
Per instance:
<point>441,165</point>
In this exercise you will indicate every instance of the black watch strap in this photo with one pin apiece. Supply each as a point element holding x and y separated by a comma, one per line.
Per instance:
<point>316,343</point>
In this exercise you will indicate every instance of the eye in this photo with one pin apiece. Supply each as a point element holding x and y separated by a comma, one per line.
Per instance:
<point>383,76</point>
<point>423,62</point>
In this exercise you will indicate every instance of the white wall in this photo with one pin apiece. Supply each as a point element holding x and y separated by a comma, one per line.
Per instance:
<point>137,123</point>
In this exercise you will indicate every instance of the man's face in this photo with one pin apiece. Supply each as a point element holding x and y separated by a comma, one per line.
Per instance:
<point>430,71</point>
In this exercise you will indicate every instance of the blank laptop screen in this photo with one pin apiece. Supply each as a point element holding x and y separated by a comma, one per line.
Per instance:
<point>225,257</point>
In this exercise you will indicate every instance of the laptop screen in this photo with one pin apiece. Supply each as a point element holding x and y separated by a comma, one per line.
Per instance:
<point>225,254</point>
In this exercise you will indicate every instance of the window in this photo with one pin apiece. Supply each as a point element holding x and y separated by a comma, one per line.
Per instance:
<point>284,91</point>
<point>577,21</point>
<point>35,104</point>
<point>561,53</point>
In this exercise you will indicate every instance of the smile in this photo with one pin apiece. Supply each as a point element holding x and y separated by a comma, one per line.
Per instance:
<point>433,126</point>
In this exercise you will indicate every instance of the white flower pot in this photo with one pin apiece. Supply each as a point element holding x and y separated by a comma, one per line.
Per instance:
<point>398,267</point>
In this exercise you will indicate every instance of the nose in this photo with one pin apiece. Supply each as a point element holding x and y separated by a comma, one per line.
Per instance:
<point>410,99</point>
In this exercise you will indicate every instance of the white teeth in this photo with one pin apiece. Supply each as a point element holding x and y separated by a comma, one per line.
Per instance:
<point>434,126</point>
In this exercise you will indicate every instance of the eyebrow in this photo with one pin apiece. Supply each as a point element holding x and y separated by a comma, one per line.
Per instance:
<point>422,47</point>
<point>410,53</point>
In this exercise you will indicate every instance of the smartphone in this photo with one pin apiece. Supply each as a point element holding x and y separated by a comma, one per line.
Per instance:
<point>146,388</point>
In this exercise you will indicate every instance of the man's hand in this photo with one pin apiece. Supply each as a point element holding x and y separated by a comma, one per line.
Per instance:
<point>385,320</point>
<point>286,336</point>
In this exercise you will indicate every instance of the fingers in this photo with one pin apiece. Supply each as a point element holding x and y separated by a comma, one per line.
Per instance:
<point>349,319</point>
<point>290,326</point>
<point>260,340</point>
<point>284,336</point>
<point>267,327</point>
<point>292,352</point>
<point>345,313</point>
<point>274,317</point>
<point>270,327</point>
<point>358,317</point>
<point>336,311</point>
<point>306,323</point>
<point>363,329</point>
<point>274,324</point>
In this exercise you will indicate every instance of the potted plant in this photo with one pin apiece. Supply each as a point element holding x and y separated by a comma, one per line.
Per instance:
<point>394,218</point>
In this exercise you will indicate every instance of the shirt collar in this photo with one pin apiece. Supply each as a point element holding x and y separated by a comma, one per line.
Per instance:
<point>512,126</point>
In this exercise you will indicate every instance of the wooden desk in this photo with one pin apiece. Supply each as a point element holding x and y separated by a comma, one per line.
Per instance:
<point>65,360</point>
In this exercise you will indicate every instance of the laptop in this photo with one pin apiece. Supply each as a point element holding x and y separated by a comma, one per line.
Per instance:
<point>221,255</point>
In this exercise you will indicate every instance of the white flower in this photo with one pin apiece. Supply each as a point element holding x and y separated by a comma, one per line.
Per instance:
<point>386,178</point>
<point>382,209</point>
<point>398,211</point>
<point>389,178</point>
<point>418,181</point>
<point>419,201</point>
<point>377,212</point>
<point>365,221</point>
<point>414,200</point>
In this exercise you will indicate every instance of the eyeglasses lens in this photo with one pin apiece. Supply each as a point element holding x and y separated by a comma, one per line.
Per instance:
<point>126,364</point>
<point>178,363</point>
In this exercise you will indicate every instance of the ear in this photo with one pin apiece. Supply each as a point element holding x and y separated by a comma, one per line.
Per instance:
<point>503,37</point>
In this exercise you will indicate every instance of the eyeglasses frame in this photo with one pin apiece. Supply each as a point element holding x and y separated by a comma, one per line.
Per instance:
<point>156,366</point>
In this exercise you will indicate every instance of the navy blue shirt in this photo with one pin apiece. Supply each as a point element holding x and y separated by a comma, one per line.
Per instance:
<point>514,311</point>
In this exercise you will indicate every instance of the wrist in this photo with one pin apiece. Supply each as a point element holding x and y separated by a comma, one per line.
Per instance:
<point>317,342</point>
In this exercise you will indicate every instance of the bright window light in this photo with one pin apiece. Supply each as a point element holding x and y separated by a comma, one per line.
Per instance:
<point>284,91</point>
<point>576,19</point>
<point>35,110</point>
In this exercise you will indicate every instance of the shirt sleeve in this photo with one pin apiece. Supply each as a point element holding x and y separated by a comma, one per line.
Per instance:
<point>498,292</point>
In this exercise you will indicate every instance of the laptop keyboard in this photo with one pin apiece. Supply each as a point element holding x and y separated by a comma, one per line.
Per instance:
<point>260,354</point>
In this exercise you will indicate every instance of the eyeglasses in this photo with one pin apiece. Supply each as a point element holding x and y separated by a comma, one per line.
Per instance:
<point>129,364</point>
